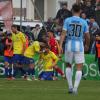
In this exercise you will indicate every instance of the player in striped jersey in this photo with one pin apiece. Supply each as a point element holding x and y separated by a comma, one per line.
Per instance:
<point>75,28</point>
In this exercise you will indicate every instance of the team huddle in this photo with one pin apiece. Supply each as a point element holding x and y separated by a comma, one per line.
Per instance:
<point>19,51</point>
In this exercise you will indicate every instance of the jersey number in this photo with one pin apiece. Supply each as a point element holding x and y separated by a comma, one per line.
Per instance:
<point>75,30</point>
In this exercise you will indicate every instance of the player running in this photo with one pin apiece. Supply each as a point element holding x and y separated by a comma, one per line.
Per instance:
<point>75,28</point>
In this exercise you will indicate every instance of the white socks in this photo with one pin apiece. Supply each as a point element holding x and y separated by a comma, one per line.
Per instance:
<point>77,80</point>
<point>69,77</point>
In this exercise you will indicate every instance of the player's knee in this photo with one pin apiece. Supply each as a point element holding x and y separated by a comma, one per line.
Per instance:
<point>6,64</point>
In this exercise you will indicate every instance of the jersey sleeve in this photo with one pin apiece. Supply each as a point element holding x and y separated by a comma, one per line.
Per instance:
<point>36,46</point>
<point>23,37</point>
<point>65,26</point>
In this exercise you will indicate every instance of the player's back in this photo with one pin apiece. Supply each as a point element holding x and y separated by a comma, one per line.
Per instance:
<point>75,27</point>
<point>30,51</point>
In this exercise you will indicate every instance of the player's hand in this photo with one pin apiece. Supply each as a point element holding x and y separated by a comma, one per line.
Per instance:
<point>86,48</point>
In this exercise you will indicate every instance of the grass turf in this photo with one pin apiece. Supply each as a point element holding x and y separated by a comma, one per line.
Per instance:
<point>47,90</point>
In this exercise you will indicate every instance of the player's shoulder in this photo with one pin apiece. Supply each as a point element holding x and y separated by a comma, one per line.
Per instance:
<point>83,20</point>
<point>68,19</point>
<point>21,33</point>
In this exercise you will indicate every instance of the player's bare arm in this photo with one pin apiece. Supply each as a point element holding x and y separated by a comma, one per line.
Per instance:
<point>63,35</point>
<point>87,41</point>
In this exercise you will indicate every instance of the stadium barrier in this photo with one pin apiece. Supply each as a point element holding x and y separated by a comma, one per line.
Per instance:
<point>90,68</point>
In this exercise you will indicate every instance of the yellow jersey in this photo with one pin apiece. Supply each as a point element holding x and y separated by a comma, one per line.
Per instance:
<point>18,42</point>
<point>30,51</point>
<point>48,60</point>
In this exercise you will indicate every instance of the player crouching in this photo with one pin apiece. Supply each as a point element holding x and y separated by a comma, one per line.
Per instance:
<point>49,61</point>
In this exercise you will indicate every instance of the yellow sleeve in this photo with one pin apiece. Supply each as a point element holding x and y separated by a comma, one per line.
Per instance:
<point>36,46</point>
<point>54,57</point>
<point>23,37</point>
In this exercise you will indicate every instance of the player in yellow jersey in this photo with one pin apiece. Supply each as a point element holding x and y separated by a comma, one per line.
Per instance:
<point>49,61</point>
<point>19,45</point>
<point>28,58</point>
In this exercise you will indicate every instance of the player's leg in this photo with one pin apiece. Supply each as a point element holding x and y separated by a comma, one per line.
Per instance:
<point>45,75</point>
<point>58,70</point>
<point>41,76</point>
<point>10,67</point>
<point>49,76</point>
<point>79,60</point>
<point>69,60</point>
<point>15,64</point>
<point>6,67</point>
<point>31,70</point>
<point>21,66</point>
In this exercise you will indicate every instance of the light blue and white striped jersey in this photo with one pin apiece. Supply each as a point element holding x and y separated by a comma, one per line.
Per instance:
<point>75,27</point>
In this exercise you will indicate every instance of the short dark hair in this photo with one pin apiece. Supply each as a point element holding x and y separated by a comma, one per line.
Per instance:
<point>92,17</point>
<point>76,8</point>
<point>64,4</point>
<point>45,45</point>
<point>14,26</point>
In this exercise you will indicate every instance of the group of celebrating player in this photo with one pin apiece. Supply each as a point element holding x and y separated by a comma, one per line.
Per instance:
<point>19,52</point>
<point>75,28</point>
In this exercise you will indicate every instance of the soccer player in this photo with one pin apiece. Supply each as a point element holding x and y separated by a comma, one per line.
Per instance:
<point>49,61</point>
<point>75,28</point>
<point>19,46</point>
<point>8,54</point>
<point>28,58</point>
<point>54,47</point>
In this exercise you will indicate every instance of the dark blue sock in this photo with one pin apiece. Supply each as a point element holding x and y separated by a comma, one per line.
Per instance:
<point>31,71</point>
<point>15,71</point>
<point>23,72</point>
<point>6,72</point>
<point>10,72</point>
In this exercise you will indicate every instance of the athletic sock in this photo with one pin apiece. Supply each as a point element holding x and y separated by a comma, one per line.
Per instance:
<point>69,77</point>
<point>10,72</point>
<point>31,71</point>
<point>59,71</point>
<point>6,71</point>
<point>23,72</point>
<point>15,71</point>
<point>77,80</point>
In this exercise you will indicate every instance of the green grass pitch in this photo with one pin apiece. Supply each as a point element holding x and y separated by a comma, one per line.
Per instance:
<point>47,90</point>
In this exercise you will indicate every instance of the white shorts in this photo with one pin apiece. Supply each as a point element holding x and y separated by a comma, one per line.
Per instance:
<point>77,57</point>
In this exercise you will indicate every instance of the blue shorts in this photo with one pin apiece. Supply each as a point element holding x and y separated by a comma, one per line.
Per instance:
<point>46,75</point>
<point>28,60</point>
<point>18,58</point>
<point>8,59</point>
